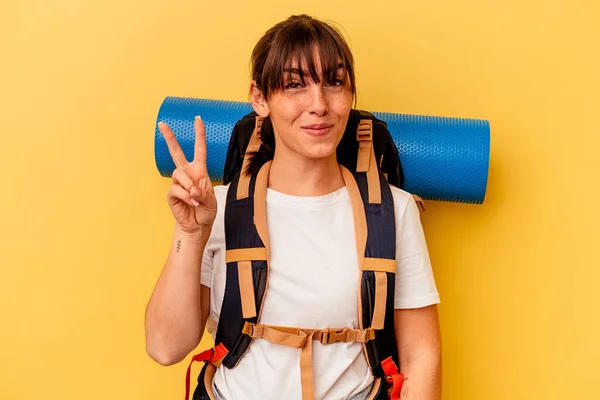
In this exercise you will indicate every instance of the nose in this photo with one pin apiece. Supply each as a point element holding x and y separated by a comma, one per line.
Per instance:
<point>318,100</point>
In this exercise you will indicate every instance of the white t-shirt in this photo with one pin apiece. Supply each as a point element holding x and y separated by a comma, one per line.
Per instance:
<point>313,283</point>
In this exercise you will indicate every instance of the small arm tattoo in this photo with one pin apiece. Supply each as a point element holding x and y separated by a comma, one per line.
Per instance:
<point>178,245</point>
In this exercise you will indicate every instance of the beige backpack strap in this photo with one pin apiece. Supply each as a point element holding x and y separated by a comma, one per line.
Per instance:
<point>366,161</point>
<point>379,266</point>
<point>358,215</point>
<point>260,204</point>
<point>243,188</point>
<point>244,258</point>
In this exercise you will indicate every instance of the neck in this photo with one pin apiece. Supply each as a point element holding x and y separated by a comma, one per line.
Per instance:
<point>298,176</point>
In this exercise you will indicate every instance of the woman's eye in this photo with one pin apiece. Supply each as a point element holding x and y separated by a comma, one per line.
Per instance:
<point>293,85</point>
<point>336,82</point>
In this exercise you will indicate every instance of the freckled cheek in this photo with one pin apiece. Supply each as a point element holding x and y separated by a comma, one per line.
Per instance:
<point>292,118</point>
<point>343,103</point>
<point>287,123</point>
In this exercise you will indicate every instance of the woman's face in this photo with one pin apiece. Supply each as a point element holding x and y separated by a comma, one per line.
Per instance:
<point>309,118</point>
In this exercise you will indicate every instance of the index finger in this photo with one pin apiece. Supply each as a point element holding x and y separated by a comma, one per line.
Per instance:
<point>177,153</point>
<point>200,145</point>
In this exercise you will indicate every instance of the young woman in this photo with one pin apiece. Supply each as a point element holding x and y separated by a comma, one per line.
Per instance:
<point>303,88</point>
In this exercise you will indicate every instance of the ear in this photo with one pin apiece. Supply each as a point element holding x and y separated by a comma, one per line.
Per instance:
<point>259,103</point>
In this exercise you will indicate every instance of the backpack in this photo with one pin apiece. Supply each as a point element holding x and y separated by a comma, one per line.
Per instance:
<point>369,163</point>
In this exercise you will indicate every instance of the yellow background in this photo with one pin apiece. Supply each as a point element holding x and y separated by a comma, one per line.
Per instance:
<point>85,227</point>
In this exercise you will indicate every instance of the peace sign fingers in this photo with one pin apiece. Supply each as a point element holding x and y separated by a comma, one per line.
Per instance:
<point>192,197</point>
<point>175,150</point>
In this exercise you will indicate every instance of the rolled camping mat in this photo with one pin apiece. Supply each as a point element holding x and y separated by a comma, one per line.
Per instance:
<point>443,158</point>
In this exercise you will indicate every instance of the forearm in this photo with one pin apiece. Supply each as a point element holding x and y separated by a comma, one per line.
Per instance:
<point>420,352</point>
<point>174,323</point>
<point>423,377</point>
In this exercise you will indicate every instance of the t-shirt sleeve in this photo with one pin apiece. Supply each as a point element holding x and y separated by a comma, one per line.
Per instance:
<point>415,284</point>
<point>207,266</point>
<point>216,241</point>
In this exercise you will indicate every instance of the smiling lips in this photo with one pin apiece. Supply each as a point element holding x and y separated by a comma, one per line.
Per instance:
<point>317,129</point>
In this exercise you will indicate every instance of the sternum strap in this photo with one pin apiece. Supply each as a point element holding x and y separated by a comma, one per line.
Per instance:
<point>302,339</point>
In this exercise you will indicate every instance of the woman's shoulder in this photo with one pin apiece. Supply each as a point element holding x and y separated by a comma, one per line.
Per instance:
<point>402,199</point>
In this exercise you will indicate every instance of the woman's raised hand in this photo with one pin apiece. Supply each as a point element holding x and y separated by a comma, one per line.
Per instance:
<point>191,197</point>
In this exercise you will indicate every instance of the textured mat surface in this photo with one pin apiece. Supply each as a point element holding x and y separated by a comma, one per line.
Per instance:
<point>443,158</point>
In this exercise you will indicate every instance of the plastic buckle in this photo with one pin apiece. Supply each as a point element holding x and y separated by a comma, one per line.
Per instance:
<point>334,335</point>
<point>364,131</point>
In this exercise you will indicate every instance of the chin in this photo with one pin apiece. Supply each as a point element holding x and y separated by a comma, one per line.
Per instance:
<point>320,151</point>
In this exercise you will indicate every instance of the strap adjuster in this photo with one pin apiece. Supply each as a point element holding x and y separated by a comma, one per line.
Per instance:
<point>365,130</point>
<point>248,328</point>
<point>370,335</point>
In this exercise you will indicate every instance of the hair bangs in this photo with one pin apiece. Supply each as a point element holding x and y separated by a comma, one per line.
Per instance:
<point>310,50</point>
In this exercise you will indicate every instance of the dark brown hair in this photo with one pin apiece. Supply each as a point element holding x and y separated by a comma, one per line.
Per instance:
<point>296,40</point>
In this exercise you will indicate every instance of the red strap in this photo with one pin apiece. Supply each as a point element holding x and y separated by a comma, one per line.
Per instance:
<point>389,366</point>
<point>210,355</point>
<point>220,353</point>
<point>393,377</point>
<point>395,381</point>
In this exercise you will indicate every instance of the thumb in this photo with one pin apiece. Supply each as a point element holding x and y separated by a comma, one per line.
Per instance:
<point>195,192</point>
